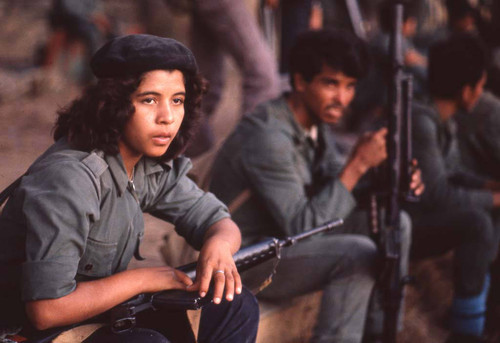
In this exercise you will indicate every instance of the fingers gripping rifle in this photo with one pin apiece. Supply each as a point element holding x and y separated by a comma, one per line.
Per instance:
<point>123,316</point>
<point>398,176</point>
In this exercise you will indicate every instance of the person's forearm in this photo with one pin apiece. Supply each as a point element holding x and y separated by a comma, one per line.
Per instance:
<point>370,151</point>
<point>227,231</point>
<point>352,172</point>
<point>87,300</point>
<point>95,297</point>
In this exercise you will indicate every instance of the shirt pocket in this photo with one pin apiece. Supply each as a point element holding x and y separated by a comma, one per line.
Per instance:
<point>97,260</point>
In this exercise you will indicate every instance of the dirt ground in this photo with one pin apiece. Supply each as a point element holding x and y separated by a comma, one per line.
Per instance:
<point>30,97</point>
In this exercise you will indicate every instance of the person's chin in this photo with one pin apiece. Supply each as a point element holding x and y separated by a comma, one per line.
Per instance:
<point>157,152</point>
<point>332,118</point>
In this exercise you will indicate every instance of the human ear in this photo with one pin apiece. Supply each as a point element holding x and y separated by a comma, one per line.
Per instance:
<point>299,82</point>
<point>409,27</point>
<point>466,94</point>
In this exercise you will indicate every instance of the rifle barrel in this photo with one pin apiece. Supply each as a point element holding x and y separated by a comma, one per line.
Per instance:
<point>254,254</point>
<point>323,228</point>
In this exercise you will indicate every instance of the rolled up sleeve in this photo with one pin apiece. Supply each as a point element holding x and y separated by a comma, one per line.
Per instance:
<point>180,201</point>
<point>59,203</point>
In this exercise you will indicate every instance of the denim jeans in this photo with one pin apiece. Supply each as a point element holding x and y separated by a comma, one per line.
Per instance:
<point>345,266</point>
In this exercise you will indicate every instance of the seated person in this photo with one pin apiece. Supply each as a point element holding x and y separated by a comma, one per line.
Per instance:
<point>280,173</point>
<point>414,60</point>
<point>73,224</point>
<point>478,136</point>
<point>462,16</point>
<point>370,103</point>
<point>457,209</point>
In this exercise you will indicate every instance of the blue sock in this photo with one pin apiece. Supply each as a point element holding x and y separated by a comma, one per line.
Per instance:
<point>468,314</point>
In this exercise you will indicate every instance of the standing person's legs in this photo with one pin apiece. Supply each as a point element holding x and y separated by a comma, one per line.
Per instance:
<point>226,26</point>
<point>91,38</point>
<point>344,267</point>
<point>236,32</point>
<point>207,48</point>
<point>210,58</point>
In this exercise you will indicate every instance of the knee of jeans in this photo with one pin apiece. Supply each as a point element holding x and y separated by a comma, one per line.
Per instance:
<point>248,303</point>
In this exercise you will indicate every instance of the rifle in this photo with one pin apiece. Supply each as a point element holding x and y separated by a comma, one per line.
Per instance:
<point>356,18</point>
<point>398,173</point>
<point>123,316</point>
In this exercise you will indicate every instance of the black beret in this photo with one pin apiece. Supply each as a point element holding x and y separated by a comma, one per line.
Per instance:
<point>135,54</point>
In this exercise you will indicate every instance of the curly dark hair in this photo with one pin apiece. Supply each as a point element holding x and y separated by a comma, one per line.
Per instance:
<point>339,49</point>
<point>97,119</point>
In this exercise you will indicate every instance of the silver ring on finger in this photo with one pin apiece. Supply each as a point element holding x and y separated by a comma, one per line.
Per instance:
<point>219,271</point>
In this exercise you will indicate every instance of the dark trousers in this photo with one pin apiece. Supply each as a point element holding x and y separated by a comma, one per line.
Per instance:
<point>228,322</point>
<point>473,234</point>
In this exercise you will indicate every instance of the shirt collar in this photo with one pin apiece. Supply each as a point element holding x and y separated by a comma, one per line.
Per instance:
<point>300,134</point>
<point>146,166</point>
<point>312,135</point>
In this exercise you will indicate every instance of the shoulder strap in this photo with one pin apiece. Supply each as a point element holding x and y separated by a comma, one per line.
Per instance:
<point>7,192</point>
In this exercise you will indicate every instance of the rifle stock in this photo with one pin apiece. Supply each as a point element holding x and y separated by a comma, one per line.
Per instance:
<point>123,316</point>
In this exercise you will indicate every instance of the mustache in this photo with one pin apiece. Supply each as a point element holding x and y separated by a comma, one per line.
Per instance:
<point>335,106</point>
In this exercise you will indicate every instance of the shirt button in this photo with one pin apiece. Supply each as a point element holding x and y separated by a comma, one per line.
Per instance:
<point>88,267</point>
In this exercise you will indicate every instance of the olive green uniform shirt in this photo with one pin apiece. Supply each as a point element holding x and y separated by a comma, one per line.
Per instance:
<point>479,136</point>
<point>291,180</point>
<point>448,184</point>
<point>75,217</point>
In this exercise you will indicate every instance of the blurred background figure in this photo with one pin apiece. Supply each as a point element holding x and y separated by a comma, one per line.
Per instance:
<point>414,60</point>
<point>481,18</point>
<point>371,102</point>
<point>220,28</point>
<point>462,16</point>
<point>296,16</point>
<point>78,28</point>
